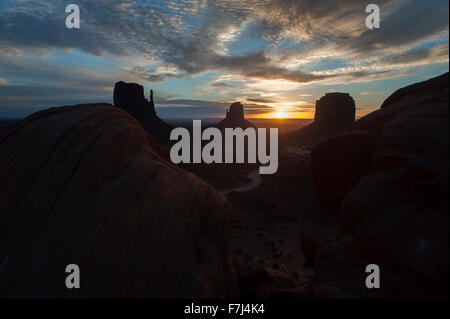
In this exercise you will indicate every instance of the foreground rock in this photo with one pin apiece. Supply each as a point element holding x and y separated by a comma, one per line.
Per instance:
<point>384,187</point>
<point>235,118</point>
<point>130,97</point>
<point>86,185</point>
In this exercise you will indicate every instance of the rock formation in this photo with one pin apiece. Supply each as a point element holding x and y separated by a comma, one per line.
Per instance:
<point>130,97</point>
<point>235,112</point>
<point>335,109</point>
<point>86,185</point>
<point>383,184</point>
<point>334,112</point>
<point>235,118</point>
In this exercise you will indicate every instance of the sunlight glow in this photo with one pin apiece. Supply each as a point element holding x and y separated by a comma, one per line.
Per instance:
<point>288,110</point>
<point>280,115</point>
<point>284,115</point>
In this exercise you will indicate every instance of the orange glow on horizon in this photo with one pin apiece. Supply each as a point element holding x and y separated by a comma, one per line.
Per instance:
<point>280,115</point>
<point>285,110</point>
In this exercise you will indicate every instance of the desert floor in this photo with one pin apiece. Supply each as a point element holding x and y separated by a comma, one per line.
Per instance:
<point>266,215</point>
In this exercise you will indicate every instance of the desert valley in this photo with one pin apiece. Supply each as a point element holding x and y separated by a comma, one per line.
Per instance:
<point>94,185</point>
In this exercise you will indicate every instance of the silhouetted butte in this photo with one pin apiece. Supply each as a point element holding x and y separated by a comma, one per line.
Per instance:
<point>130,97</point>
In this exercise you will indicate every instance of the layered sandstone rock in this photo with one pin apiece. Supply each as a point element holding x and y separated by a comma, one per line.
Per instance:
<point>130,97</point>
<point>384,187</point>
<point>86,185</point>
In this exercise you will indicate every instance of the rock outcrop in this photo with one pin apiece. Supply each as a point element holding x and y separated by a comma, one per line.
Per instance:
<point>335,109</point>
<point>235,112</point>
<point>334,112</point>
<point>383,184</point>
<point>86,185</point>
<point>235,118</point>
<point>130,97</point>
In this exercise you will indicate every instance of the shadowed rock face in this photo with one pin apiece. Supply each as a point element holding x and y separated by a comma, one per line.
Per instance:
<point>130,97</point>
<point>86,185</point>
<point>235,118</point>
<point>335,108</point>
<point>236,111</point>
<point>333,114</point>
<point>384,187</point>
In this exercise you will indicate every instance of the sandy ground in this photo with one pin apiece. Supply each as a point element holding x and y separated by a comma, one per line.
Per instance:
<point>264,229</point>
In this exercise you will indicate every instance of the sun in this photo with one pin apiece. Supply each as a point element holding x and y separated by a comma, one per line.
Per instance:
<point>286,110</point>
<point>279,115</point>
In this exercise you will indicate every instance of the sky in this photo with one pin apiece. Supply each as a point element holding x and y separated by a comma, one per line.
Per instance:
<point>276,57</point>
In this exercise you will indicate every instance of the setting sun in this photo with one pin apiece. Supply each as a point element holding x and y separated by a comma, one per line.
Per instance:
<point>279,115</point>
<point>282,109</point>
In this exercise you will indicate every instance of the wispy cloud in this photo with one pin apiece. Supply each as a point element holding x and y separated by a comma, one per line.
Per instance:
<point>257,48</point>
<point>190,36</point>
<point>371,92</point>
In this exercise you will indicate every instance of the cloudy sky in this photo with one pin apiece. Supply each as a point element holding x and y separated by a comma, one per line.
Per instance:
<point>277,57</point>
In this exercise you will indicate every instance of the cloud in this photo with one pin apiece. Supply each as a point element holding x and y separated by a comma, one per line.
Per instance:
<point>412,22</point>
<point>191,37</point>
<point>24,30</point>
<point>260,45</point>
<point>191,103</point>
<point>221,85</point>
<point>261,101</point>
<point>418,57</point>
<point>371,92</point>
